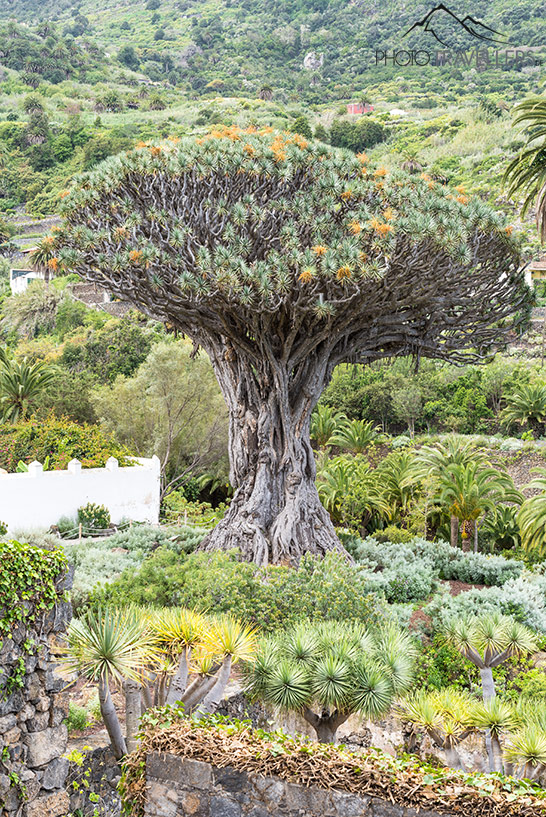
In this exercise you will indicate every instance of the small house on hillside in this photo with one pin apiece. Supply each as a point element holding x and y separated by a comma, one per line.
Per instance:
<point>535,275</point>
<point>19,279</point>
<point>359,108</point>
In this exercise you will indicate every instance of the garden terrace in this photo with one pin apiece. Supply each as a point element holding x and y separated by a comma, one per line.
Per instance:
<point>402,782</point>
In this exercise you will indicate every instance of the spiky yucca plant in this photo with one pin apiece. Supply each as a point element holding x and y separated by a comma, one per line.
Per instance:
<point>283,257</point>
<point>447,716</point>
<point>487,641</point>
<point>110,646</point>
<point>328,671</point>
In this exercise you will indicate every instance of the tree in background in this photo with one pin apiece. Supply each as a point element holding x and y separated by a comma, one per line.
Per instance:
<point>283,258</point>
<point>471,491</point>
<point>172,407</point>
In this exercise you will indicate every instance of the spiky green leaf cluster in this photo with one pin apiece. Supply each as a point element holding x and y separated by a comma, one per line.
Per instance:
<point>333,666</point>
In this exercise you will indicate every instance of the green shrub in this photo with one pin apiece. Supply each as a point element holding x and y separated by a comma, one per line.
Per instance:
<point>77,719</point>
<point>269,597</point>
<point>394,534</point>
<point>523,598</point>
<point>94,517</point>
<point>102,560</point>
<point>60,440</point>
<point>3,528</point>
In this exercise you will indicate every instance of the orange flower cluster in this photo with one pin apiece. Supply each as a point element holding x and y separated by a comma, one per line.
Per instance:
<point>509,230</point>
<point>135,256</point>
<point>306,276</point>
<point>380,227</point>
<point>347,194</point>
<point>460,189</point>
<point>53,264</point>
<point>249,149</point>
<point>343,272</point>
<point>142,144</point>
<point>64,193</point>
<point>121,232</point>
<point>380,171</point>
<point>155,150</point>
<point>362,158</point>
<point>388,214</point>
<point>355,227</point>
<point>319,249</point>
<point>462,199</point>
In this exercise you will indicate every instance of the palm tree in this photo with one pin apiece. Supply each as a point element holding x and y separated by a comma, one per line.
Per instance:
<point>43,256</point>
<point>353,435</point>
<point>325,423</point>
<point>349,490</point>
<point>110,646</point>
<point>532,516</point>
<point>429,467</point>
<point>526,173</point>
<point>487,641</point>
<point>229,641</point>
<point>20,385</point>
<point>447,716</point>
<point>396,476</point>
<point>470,491</point>
<point>527,406</point>
<point>328,671</point>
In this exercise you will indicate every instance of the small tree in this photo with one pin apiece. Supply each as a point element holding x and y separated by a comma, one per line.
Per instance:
<point>329,671</point>
<point>109,647</point>
<point>447,717</point>
<point>487,641</point>
<point>470,491</point>
<point>532,516</point>
<point>283,258</point>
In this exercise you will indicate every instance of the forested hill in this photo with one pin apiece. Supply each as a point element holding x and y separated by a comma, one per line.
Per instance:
<point>239,44</point>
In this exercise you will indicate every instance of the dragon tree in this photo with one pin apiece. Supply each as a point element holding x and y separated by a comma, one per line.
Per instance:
<point>282,258</point>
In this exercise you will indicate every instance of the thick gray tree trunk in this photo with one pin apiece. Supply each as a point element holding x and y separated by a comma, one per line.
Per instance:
<point>325,725</point>
<point>275,515</point>
<point>111,721</point>
<point>454,532</point>
<point>488,684</point>
<point>180,679</point>
<point>133,711</point>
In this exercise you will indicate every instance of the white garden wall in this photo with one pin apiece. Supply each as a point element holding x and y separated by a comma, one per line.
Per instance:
<point>38,499</point>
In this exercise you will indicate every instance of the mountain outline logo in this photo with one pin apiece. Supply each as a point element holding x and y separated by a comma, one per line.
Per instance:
<point>477,29</point>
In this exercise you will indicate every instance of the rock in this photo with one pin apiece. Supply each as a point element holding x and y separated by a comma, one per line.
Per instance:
<point>7,723</point>
<point>12,737</point>
<point>55,774</point>
<point>42,704</point>
<point>224,807</point>
<point>313,61</point>
<point>26,713</point>
<point>45,746</point>
<point>12,704</point>
<point>52,805</point>
<point>53,682</point>
<point>38,722</point>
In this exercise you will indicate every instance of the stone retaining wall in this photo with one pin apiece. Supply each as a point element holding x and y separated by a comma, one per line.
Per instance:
<point>178,787</point>
<point>33,737</point>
